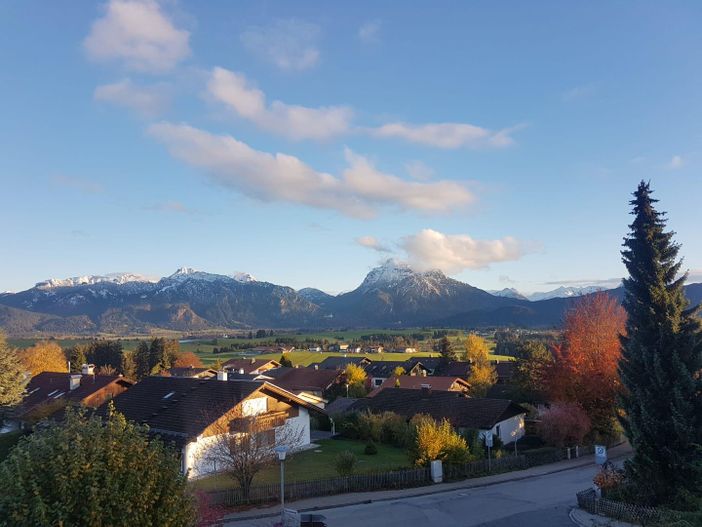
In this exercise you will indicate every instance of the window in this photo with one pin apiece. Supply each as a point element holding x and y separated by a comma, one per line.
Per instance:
<point>377,382</point>
<point>169,394</point>
<point>497,431</point>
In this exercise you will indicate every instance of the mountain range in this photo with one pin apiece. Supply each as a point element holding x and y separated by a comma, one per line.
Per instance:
<point>391,295</point>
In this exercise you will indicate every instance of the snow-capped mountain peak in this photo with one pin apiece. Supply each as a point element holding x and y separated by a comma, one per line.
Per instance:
<point>114,278</point>
<point>388,272</point>
<point>566,292</point>
<point>243,277</point>
<point>508,292</point>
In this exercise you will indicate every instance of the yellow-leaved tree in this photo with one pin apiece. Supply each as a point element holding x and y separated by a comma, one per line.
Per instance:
<point>355,378</point>
<point>482,372</point>
<point>437,440</point>
<point>44,356</point>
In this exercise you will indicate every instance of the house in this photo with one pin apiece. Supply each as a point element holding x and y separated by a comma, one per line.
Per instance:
<point>379,371</point>
<point>194,414</point>
<point>430,364</point>
<point>49,392</point>
<point>505,371</point>
<point>354,349</point>
<point>254,366</point>
<point>191,372</point>
<point>339,363</point>
<point>443,384</point>
<point>404,349</point>
<point>260,350</point>
<point>339,347</point>
<point>500,417</point>
<point>375,348</point>
<point>454,368</point>
<point>306,381</point>
<point>315,349</point>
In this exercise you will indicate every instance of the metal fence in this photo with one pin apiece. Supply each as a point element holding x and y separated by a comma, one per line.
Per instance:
<point>397,479</point>
<point>589,500</point>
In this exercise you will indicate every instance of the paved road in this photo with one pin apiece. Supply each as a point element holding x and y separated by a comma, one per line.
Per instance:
<point>538,501</point>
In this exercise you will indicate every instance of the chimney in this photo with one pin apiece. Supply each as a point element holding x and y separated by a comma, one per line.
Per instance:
<point>88,369</point>
<point>426,390</point>
<point>316,366</point>
<point>222,375</point>
<point>74,381</point>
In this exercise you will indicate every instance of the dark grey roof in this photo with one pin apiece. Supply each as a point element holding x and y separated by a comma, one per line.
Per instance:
<point>339,363</point>
<point>461,411</point>
<point>340,405</point>
<point>193,404</point>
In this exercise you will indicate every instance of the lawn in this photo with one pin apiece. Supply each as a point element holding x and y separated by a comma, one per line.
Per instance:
<point>318,463</point>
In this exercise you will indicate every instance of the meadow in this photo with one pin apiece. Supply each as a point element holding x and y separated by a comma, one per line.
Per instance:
<point>204,346</point>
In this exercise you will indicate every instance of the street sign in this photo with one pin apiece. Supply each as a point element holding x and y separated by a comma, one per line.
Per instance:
<point>488,440</point>
<point>600,454</point>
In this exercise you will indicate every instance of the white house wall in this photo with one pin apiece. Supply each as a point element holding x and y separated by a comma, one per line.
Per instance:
<point>198,455</point>
<point>510,429</point>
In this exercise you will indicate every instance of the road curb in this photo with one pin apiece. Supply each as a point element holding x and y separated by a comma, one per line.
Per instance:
<point>227,521</point>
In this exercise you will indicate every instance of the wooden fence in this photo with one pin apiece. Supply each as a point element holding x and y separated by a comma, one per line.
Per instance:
<point>589,501</point>
<point>397,479</point>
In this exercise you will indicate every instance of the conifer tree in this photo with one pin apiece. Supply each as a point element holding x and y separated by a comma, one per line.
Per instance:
<point>661,363</point>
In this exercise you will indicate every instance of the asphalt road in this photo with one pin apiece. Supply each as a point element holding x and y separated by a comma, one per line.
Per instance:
<point>538,501</point>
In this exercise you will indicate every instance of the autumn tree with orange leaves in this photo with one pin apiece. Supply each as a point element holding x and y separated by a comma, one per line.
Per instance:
<point>44,356</point>
<point>188,359</point>
<point>585,367</point>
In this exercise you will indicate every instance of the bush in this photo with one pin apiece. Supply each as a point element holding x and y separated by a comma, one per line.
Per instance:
<point>564,424</point>
<point>437,441</point>
<point>371,449</point>
<point>346,462</point>
<point>86,471</point>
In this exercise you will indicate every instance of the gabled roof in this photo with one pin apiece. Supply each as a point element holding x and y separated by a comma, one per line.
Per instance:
<point>186,407</point>
<point>51,386</point>
<point>429,363</point>
<point>306,379</point>
<point>461,411</point>
<point>340,405</point>
<point>454,368</point>
<point>189,371</point>
<point>339,363</point>
<point>414,382</point>
<point>249,365</point>
<point>384,368</point>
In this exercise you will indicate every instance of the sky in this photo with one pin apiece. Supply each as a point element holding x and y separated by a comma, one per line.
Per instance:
<point>305,142</point>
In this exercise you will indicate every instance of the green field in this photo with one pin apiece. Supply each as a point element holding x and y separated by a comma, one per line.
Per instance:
<point>204,346</point>
<point>318,463</point>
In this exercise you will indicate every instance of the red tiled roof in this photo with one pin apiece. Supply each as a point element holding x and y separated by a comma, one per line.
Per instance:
<point>415,382</point>
<point>55,386</point>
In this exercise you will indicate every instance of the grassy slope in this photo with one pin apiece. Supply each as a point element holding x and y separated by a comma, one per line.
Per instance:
<point>319,463</point>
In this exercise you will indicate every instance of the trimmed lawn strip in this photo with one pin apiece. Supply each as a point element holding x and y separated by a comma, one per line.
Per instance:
<point>311,465</point>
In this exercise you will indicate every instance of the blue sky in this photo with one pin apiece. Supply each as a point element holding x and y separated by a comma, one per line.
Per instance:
<point>305,142</point>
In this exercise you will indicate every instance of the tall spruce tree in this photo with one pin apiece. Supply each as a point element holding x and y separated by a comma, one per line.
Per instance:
<point>660,364</point>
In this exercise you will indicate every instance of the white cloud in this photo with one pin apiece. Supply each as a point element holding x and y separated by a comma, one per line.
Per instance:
<point>145,100</point>
<point>368,32</point>
<point>371,242</point>
<point>676,162</point>
<point>453,253</point>
<point>290,44</point>
<point>360,190</point>
<point>446,135</point>
<point>138,34</point>
<point>419,170</point>
<point>293,121</point>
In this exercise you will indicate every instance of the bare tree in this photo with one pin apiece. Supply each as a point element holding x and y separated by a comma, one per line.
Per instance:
<point>243,446</point>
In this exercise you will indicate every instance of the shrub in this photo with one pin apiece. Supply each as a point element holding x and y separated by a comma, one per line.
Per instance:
<point>346,463</point>
<point>370,449</point>
<point>437,441</point>
<point>564,423</point>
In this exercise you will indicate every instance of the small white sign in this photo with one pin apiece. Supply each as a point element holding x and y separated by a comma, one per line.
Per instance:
<point>488,440</point>
<point>600,454</point>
